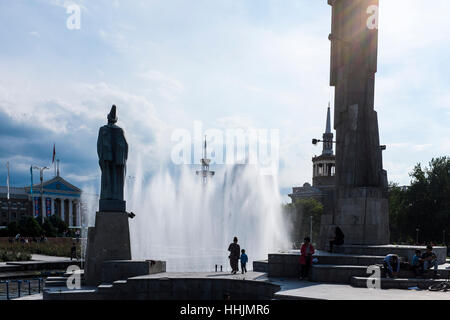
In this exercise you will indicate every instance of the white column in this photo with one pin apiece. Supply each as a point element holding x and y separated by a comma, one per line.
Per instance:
<point>52,206</point>
<point>70,213</point>
<point>62,209</point>
<point>78,211</point>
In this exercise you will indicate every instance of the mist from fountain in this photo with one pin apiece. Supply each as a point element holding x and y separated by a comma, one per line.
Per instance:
<point>190,224</point>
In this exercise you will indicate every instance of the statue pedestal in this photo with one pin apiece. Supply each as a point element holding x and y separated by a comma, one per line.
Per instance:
<point>108,240</point>
<point>363,216</point>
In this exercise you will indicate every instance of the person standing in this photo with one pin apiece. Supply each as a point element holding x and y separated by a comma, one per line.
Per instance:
<point>244,260</point>
<point>73,252</point>
<point>306,253</point>
<point>235,251</point>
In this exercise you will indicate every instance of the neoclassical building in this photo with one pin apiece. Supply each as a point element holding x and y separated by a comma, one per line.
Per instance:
<point>61,198</point>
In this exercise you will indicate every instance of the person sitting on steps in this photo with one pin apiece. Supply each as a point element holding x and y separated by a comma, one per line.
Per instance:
<point>430,260</point>
<point>389,261</point>
<point>338,239</point>
<point>417,264</point>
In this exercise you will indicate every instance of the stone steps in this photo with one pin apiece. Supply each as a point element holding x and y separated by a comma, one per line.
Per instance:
<point>344,273</point>
<point>331,273</point>
<point>399,283</point>
<point>261,266</point>
<point>407,252</point>
<point>60,281</point>
<point>288,265</point>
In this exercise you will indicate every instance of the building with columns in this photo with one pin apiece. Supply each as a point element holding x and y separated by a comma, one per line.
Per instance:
<point>61,198</point>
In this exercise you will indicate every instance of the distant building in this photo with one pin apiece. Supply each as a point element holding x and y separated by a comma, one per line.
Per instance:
<point>61,198</point>
<point>324,172</point>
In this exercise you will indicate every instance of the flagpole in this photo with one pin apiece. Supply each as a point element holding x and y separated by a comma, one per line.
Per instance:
<point>7,194</point>
<point>31,191</point>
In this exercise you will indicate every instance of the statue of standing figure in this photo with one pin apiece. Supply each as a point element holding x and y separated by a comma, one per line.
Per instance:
<point>112,149</point>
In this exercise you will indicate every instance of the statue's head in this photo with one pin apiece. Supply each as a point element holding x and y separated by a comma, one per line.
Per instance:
<point>112,117</point>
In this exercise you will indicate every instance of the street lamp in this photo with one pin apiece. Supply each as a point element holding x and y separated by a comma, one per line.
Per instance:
<point>417,235</point>
<point>41,176</point>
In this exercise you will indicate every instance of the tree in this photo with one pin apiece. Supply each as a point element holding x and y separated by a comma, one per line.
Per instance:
<point>60,226</point>
<point>29,227</point>
<point>300,213</point>
<point>424,205</point>
<point>13,228</point>
<point>48,228</point>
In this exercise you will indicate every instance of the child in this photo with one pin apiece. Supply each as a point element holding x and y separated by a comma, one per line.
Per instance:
<point>244,260</point>
<point>416,263</point>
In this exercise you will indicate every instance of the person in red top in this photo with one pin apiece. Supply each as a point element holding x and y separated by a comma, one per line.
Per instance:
<point>306,253</point>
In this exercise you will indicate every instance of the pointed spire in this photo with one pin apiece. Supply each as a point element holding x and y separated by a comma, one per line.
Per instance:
<point>328,136</point>
<point>204,156</point>
<point>328,128</point>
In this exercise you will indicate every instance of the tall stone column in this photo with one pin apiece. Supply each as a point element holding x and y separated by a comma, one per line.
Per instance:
<point>63,213</point>
<point>70,213</point>
<point>361,204</point>
<point>52,206</point>
<point>78,213</point>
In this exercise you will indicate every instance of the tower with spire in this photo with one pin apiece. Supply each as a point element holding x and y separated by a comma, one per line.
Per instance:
<point>323,171</point>
<point>205,173</point>
<point>325,164</point>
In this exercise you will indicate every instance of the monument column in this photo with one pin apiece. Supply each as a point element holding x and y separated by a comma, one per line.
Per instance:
<point>361,202</point>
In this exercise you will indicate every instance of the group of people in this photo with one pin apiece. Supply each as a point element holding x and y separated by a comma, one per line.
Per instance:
<point>19,238</point>
<point>237,254</point>
<point>419,263</point>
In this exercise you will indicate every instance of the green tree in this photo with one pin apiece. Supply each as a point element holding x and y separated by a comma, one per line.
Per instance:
<point>49,229</point>
<point>60,226</point>
<point>13,228</point>
<point>29,227</point>
<point>424,205</point>
<point>300,213</point>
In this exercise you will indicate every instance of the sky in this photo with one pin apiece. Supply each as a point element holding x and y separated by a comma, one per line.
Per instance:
<point>222,63</point>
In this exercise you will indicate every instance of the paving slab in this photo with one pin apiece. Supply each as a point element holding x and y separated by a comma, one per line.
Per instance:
<point>304,290</point>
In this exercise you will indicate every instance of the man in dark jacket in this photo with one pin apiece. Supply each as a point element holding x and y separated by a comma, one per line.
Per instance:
<point>235,251</point>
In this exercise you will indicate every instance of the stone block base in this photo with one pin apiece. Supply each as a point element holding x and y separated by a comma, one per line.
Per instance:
<point>108,240</point>
<point>124,269</point>
<point>363,216</point>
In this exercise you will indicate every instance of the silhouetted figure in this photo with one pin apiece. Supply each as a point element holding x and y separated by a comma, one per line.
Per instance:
<point>338,238</point>
<point>73,252</point>
<point>235,251</point>
<point>112,149</point>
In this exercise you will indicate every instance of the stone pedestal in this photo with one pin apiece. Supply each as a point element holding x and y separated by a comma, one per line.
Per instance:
<point>124,269</point>
<point>108,240</point>
<point>363,216</point>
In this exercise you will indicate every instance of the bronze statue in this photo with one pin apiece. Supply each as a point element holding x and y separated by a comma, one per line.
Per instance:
<point>112,149</point>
